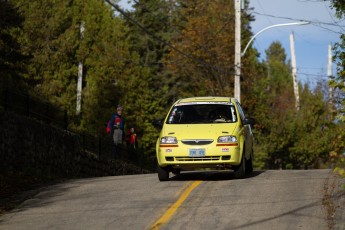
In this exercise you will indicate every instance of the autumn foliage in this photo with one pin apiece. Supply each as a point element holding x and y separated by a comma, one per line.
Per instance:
<point>170,49</point>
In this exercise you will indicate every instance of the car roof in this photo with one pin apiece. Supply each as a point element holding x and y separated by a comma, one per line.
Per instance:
<point>206,99</point>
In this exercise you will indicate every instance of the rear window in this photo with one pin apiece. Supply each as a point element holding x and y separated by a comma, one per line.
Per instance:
<point>198,113</point>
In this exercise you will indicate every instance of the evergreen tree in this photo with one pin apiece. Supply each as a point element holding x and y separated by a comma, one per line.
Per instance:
<point>11,59</point>
<point>49,39</point>
<point>158,17</point>
<point>52,41</point>
<point>290,138</point>
<point>274,105</point>
<point>185,49</point>
<point>105,56</point>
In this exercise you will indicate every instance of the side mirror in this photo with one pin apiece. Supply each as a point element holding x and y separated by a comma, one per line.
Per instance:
<point>158,123</point>
<point>248,121</point>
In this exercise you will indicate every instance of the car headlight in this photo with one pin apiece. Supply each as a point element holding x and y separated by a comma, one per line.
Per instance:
<point>168,140</point>
<point>227,139</point>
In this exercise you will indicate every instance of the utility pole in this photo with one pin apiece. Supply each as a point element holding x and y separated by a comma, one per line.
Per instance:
<point>294,70</point>
<point>237,83</point>
<point>330,74</point>
<point>238,54</point>
<point>80,75</point>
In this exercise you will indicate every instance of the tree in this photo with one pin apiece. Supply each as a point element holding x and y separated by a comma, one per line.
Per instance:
<point>52,41</point>
<point>104,51</point>
<point>289,138</point>
<point>158,17</point>
<point>274,105</point>
<point>202,60</point>
<point>339,57</point>
<point>49,38</point>
<point>313,130</point>
<point>11,59</point>
<point>204,49</point>
<point>339,84</point>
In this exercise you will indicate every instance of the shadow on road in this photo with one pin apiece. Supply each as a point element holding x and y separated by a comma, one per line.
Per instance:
<point>210,175</point>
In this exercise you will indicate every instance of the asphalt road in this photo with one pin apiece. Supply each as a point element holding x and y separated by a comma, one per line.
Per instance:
<point>265,200</point>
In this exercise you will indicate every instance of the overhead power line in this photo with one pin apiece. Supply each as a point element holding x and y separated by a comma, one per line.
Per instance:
<point>316,23</point>
<point>337,23</point>
<point>174,27</point>
<point>154,36</point>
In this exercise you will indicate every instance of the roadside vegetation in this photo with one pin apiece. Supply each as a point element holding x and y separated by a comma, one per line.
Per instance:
<point>169,50</point>
<point>338,154</point>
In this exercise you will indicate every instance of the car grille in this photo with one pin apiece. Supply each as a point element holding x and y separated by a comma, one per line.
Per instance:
<point>197,142</point>
<point>209,158</point>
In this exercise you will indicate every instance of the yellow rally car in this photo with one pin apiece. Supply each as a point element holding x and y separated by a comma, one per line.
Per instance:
<point>205,132</point>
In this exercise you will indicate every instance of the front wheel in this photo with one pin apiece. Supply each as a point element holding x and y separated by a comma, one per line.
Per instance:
<point>240,171</point>
<point>163,173</point>
<point>249,163</point>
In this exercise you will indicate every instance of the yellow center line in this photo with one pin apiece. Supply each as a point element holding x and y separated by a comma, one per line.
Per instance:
<point>185,185</point>
<point>173,208</point>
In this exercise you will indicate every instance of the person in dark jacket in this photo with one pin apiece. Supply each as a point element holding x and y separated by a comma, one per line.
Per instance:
<point>115,127</point>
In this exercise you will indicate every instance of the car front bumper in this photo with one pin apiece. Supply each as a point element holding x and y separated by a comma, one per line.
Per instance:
<point>179,156</point>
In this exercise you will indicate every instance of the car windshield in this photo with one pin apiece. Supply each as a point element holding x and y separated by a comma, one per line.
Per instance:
<point>197,113</point>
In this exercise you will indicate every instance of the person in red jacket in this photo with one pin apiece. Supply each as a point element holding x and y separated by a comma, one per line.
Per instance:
<point>132,145</point>
<point>131,139</point>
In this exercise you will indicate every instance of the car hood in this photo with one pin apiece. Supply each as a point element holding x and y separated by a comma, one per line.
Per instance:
<point>199,131</point>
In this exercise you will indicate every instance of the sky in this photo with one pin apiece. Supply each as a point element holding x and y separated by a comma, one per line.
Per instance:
<point>311,41</point>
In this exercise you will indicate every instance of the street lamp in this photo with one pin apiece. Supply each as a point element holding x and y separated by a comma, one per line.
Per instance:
<point>269,27</point>
<point>238,54</point>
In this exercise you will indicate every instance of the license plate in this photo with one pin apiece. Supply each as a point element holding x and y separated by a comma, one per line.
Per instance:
<point>197,152</point>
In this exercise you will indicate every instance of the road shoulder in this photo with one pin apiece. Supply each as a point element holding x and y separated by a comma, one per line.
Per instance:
<point>334,202</point>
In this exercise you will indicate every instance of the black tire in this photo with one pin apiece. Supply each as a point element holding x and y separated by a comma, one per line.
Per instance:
<point>240,171</point>
<point>249,163</point>
<point>163,173</point>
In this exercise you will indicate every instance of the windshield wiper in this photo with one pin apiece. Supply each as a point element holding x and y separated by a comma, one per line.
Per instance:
<point>220,120</point>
